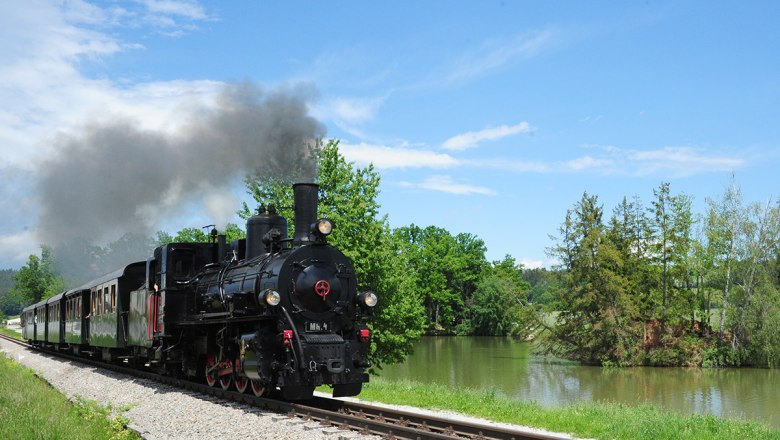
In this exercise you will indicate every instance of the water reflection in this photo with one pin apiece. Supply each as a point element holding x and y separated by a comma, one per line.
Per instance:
<point>508,366</point>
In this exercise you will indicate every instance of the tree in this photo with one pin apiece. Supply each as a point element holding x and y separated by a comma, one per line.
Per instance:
<point>347,197</point>
<point>670,246</point>
<point>447,269</point>
<point>37,279</point>
<point>598,322</point>
<point>499,302</point>
<point>545,286</point>
<point>754,325</point>
<point>629,232</point>
<point>10,304</point>
<point>724,223</point>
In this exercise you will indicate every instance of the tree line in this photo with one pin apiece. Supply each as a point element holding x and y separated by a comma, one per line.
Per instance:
<point>654,284</point>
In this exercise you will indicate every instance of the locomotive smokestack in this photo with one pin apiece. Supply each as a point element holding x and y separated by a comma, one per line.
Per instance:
<point>306,199</point>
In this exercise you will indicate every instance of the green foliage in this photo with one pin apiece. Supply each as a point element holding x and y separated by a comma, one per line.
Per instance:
<point>447,269</point>
<point>642,288</point>
<point>37,279</point>
<point>500,304</point>
<point>10,303</point>
<point>599,318</point>
<point>545,287</point>
<point>669,245</point>
<point>198,235</point>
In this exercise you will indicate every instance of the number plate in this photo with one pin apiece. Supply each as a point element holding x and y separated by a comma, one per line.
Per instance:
<point>314,326</point>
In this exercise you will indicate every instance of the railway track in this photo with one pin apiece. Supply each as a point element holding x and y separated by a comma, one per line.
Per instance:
<point>361,417</point>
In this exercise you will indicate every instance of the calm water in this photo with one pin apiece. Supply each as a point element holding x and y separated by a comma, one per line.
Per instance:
<point>509,366</point>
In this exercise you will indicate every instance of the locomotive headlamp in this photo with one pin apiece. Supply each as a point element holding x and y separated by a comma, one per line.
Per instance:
<point>323,227</point>
<point>270,297</point>
<point>368,299</point>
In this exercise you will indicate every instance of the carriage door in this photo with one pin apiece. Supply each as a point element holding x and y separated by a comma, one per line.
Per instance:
<point>153,303</point>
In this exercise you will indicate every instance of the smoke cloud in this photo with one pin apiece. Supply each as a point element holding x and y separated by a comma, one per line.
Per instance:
<point>115,178</point>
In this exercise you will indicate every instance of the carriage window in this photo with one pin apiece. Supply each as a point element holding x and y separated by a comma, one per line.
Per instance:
<point>113,296</point>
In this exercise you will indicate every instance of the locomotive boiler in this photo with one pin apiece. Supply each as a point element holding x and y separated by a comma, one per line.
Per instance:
<point>269,313</point>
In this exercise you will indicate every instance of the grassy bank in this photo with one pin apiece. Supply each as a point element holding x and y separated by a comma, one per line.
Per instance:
<point>600,420</point>
<point>31,408</point>
<point>9,332</point>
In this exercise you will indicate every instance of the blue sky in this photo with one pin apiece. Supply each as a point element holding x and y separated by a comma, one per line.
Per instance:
<point>490,118</point>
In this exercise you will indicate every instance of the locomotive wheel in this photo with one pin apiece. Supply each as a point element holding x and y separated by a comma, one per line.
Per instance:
<point>258,388</point>
<point>226,380</point>
<point>241,384</point>
<point>211,378</point>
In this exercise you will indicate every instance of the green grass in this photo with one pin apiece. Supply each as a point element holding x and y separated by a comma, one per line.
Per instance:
<point>12,333</point>
<point>591,420</point>
<point>31,409</point>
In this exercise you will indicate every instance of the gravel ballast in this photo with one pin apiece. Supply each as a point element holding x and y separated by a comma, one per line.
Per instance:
<point>160,411</point>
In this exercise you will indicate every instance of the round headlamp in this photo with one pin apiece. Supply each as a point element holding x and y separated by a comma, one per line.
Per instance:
<point>323,227</point>
<point>270,297</point>
<point>368,299</point>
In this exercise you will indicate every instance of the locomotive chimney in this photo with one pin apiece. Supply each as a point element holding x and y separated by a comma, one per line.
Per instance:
<point>306,198</point>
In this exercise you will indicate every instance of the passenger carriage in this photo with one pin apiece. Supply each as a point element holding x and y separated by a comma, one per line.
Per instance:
<point>109,295</point>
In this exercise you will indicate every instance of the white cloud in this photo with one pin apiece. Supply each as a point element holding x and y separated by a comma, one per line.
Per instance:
<point>666,161</point>
<point>355,110</point>
<point>472,138</point>
<point>446,184</point>
<point>349,114</point>
<point>497,53</point>
<point>682,161</point>
<point>384,157</point>
<point>585,163</point>
<point>521,166</point>
<point>183,8</point>
<point>529,263</point>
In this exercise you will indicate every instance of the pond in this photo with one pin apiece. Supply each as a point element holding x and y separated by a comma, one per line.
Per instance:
<point>512,368</point>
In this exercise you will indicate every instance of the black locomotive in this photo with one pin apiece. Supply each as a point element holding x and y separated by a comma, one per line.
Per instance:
<point>265,313</point>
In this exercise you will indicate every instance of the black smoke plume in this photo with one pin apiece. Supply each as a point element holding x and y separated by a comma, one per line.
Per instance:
<point>114,178</point>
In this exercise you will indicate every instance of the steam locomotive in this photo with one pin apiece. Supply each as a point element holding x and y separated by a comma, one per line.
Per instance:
<point>261,314</point>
